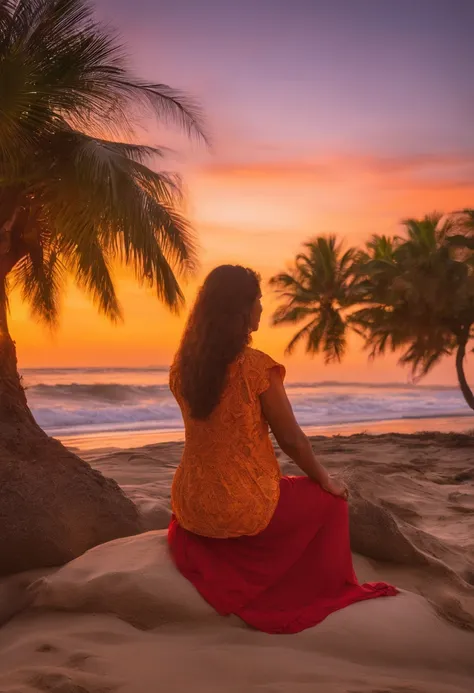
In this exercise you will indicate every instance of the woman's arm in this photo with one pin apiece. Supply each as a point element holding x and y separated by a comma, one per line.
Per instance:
<point>291,439</point>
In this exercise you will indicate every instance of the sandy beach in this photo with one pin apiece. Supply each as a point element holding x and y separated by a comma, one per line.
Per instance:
<point>120,618</point>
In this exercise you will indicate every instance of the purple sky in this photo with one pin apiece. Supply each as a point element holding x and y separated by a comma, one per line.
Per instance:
<point>279,77</point>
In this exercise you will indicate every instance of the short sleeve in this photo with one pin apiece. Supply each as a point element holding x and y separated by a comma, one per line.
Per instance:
<point>260,365</point>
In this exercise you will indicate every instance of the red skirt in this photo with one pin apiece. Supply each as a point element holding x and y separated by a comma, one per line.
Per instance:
<point>287,578</point>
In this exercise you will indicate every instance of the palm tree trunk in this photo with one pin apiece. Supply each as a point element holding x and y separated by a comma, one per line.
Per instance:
<point>13,405</point>
<point>465,389</point>
<point>54,506</point>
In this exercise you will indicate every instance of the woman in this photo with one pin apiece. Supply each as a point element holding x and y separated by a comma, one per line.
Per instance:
<point>274,551</point>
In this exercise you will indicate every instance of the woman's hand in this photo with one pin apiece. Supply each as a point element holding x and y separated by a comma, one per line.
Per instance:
<point>337,488</point>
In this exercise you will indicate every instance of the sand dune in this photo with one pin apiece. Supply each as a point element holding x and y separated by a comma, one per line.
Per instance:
<point>121,618</point>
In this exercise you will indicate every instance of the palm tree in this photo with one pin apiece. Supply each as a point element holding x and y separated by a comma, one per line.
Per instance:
<point>380,248</point>
<point>317,291</point>
<point>420,298</point>
<point>76,197</point>
<point>72,202</point>
<point>412,294</point>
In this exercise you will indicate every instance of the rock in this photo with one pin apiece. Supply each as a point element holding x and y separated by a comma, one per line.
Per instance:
<point>155,512</point>
<point>465,475</point>
<point>133,578</point>
<point>54,506</point>
<point>376,534</point>
<point>381,535</point>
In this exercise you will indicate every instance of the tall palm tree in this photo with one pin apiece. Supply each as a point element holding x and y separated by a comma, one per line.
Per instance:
<point>420,299</point>
<point>317,291</point>
<point>73,202</point>
<point>76,197</point>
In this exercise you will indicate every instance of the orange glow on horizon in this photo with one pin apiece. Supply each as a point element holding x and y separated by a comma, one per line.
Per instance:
<point>257,215</point>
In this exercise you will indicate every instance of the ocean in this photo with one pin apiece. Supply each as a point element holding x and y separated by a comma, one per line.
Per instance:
<point>75,404</point>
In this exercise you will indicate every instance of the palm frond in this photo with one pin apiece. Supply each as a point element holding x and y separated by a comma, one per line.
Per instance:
<point>335,342</point>
<point>300,334</point>
<point>291,313</point>
<point>41,278</point>
<point>88,201</point>
<point>90,267</point>
<point>321,283</point>
<point>59,63</point>
<point>170,105</point>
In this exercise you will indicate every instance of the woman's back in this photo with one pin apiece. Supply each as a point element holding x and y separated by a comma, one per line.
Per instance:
<point>227,484</point>
<point>289,565</point>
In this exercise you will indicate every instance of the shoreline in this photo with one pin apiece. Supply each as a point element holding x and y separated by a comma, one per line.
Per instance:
<point>121,440</point>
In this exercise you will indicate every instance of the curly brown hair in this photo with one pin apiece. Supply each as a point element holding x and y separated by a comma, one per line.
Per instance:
<point>217,331</point>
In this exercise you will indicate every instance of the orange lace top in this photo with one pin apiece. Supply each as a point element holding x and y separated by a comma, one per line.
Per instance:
<point>228,481</point>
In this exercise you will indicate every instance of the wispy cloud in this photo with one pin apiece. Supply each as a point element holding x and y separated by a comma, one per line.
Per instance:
<point>423,171</point>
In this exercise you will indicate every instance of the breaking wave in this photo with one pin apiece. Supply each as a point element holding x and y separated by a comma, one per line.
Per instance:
<point>76,401</point>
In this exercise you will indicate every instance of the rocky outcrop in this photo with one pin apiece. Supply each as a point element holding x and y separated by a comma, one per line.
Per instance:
<point>54,506</point>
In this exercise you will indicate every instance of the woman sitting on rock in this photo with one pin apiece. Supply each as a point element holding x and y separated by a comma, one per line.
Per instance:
<point>273,550</point>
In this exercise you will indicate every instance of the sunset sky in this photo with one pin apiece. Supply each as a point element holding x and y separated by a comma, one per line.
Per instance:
<point>327,116</point>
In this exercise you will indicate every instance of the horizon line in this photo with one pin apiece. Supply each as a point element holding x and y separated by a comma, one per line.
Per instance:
<point>296,383</point>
